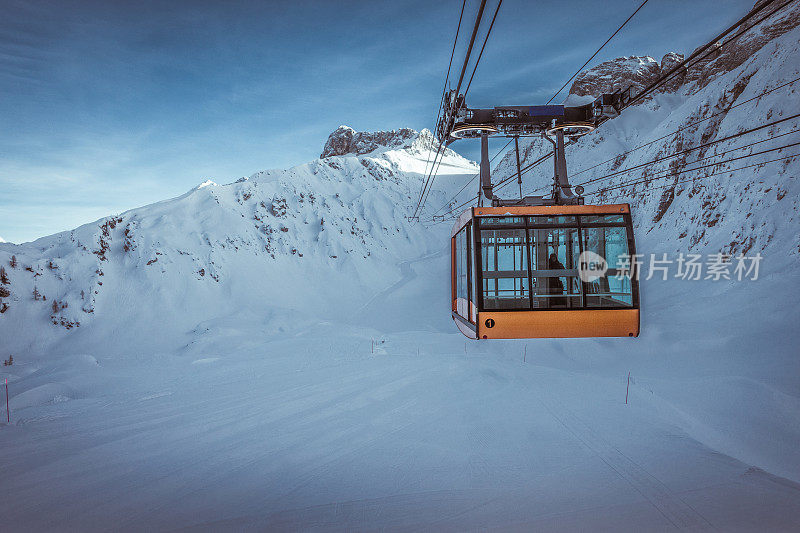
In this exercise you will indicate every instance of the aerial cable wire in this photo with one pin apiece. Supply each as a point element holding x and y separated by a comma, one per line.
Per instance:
<point>444,91</point>
<point>706,158</point>
<point>664,173</point>
<point>690,149</point>
<point>470,181</point>
<point>447,76</point>
<point>458,88</point>
<point>474,69</point>
<point>709,48</point>
<point>689,125</point>
<point>697,56</point>
<point>482,47</point>
<point>598,51</point>
<point>620,186</point>
<point>668,174</point>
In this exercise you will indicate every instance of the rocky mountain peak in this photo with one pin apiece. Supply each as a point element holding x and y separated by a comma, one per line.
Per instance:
<point>640,71</point>
<point>619,73</point>
<point>346,140</point>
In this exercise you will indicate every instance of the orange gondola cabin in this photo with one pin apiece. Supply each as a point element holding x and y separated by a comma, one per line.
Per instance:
<point>515,272</point>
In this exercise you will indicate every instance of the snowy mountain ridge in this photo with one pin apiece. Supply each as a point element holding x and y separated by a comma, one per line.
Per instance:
<point>343,216</point>
<point>345,140</point>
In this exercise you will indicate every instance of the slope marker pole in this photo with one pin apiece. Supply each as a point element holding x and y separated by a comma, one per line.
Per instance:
<point>8,413</point>
<point>627,387</point>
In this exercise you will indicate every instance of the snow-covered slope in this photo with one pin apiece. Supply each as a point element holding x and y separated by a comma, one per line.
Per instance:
<point>310,240</point>
<point>277,353</point>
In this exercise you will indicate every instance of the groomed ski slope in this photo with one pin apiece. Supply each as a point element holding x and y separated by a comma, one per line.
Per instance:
<point>321,429</point>
<point>252,357</point>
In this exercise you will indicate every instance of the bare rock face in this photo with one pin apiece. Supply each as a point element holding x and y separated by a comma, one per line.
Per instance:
<point>618,73</point>
<point>346,140</point>
<point>728,56</point>
<point>670,61</point>
<point>640,71</point>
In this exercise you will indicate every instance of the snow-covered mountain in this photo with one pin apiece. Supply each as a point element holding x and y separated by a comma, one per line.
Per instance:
<point>277,352</point>
<point>317,236</point>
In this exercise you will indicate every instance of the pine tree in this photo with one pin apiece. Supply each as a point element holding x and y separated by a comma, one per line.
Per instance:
<point>55,306</point>
<point>4,293</point>
<point>36,294</point>
<point>3,276</point>
<point>13,262</point>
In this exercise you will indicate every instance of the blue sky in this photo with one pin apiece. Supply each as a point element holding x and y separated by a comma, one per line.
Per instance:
<point>106,106</point>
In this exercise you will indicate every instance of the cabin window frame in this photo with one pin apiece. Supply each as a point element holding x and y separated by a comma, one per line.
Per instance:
<point>464,256</point>
<point>579,222</point>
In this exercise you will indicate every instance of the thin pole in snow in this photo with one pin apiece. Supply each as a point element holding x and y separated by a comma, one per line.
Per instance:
<point>8,413</point>
<point>525,355</point>
<point>627,388</point>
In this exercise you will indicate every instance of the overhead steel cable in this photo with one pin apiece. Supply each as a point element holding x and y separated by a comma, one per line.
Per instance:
<point>682,128</point>
<point>711,156</point>
<point>470,181</point>
<point>695,58</point>
<point>726,171</point>
<point>720,154</point>
<point>668,174</point>
<point>429,180</point>
<point>710,47</point>
<point>598,50</point>
<point>484,46</point>
<point>444,91</point>
<point>660,174</point>
<point>500,184</point>
<point>470,45</point>
<point>689,125</point>
<point>669,156</point>
<point>690,149</point>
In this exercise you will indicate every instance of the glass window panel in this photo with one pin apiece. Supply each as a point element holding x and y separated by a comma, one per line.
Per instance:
<point>611,290</point>
<point>501,221</point>
<point>471,259</point>
<point>504,264</point>
<point>552,220</point>
<point>551,292</point>
<point>555,251</point>
<point>461,264</point>
<point>606,219</point>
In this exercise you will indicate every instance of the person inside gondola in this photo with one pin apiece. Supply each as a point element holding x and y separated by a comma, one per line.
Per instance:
<point>556,287</point>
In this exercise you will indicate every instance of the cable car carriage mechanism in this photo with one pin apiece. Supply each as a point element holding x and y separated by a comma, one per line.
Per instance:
<point>539,267</point>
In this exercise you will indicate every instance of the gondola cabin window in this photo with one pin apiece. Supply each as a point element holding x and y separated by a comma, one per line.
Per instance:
<point>504,258</point>
<point>532,262</point>
<point>463,272</point>
<point>610,290</point>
